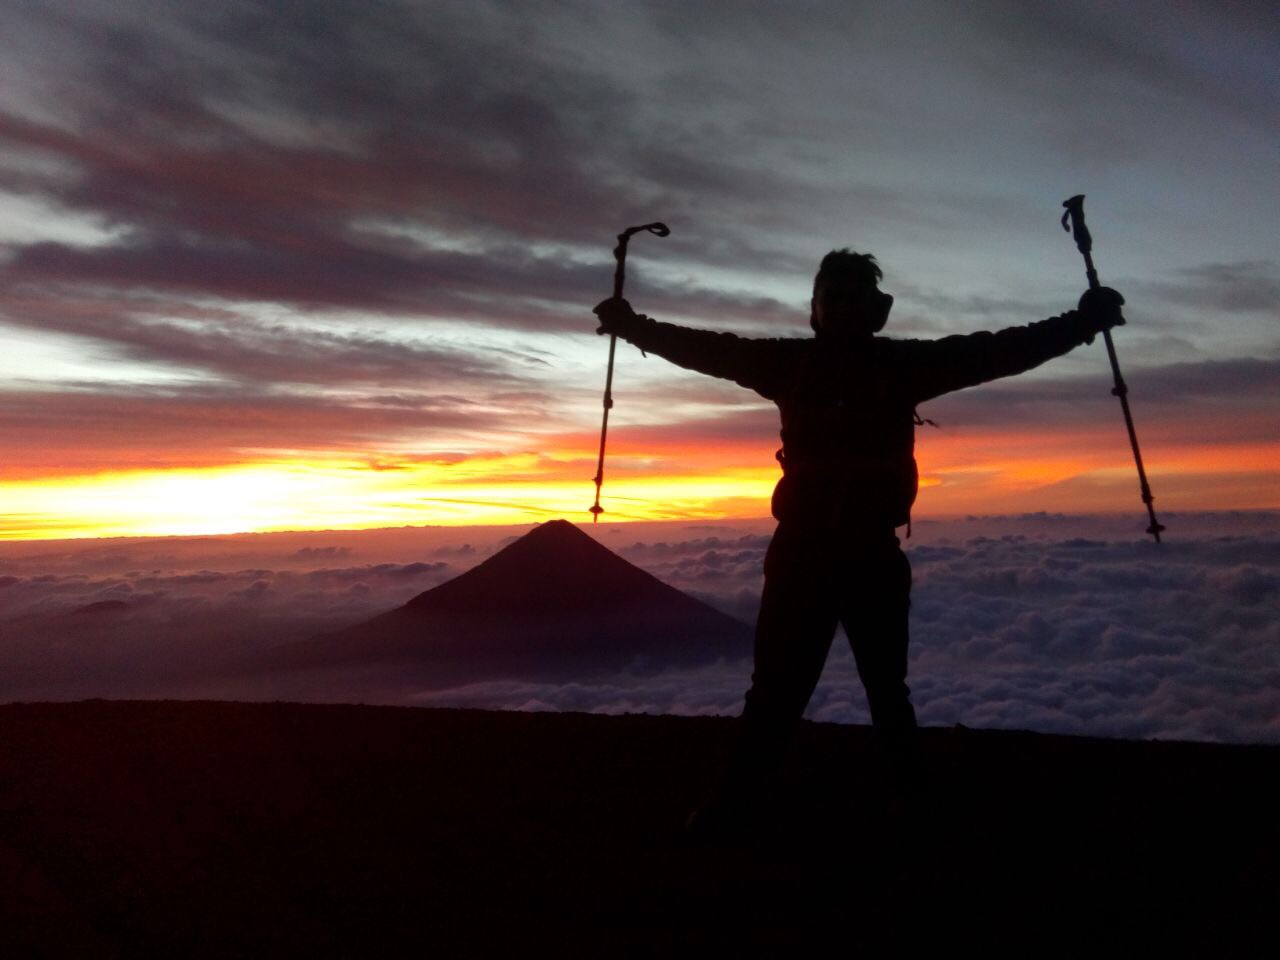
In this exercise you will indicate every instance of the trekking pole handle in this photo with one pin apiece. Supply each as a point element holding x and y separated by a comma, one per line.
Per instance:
<point>1080,233</point>
<point>620,251</point>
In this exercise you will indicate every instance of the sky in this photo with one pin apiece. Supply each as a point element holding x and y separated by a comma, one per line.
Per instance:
<point>273,266</point>
<point>1046,622</point>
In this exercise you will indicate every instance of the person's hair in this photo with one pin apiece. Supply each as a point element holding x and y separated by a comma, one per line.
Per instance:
<point>859,267</point>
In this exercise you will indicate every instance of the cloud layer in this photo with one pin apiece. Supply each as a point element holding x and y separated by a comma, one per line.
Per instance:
<point>1073,635</point>
<point>1043,622</point>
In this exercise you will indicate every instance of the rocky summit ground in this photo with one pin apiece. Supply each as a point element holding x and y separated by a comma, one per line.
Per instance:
<point>179,829</point>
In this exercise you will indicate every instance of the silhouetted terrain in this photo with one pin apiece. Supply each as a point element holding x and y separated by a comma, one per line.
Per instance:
<point>552,604</point>
<point>223,829</point>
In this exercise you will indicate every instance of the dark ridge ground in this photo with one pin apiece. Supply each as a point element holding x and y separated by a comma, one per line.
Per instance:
<point>181,829</point>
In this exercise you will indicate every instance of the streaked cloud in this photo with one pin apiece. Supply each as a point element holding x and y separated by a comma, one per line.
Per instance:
<point>327,231</point>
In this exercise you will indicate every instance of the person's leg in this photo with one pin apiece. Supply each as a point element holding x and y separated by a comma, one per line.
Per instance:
<point>794,629</point>
<point>875,614</point>
<point>797,621</point>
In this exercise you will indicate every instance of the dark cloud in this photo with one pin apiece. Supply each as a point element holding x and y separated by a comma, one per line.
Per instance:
<point>500,286</point>
<point>1206,401</point>
<point>1242,287</point>
<point>262,119</point>
<point>258,146</point>
<point>233,347</point>
<point>113,428</point>
<point>245,149</point>
<point>752,424</point>
<point>433,168</point>
<point>932,312</point>
<point>1078,65</point>
<point>251,150</point>
<point>321,553</point>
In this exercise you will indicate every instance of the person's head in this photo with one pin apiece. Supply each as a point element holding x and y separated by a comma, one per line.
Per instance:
<point>847,304</point>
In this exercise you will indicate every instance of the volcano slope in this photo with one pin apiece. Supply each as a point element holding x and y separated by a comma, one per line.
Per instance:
<point>554,604</point>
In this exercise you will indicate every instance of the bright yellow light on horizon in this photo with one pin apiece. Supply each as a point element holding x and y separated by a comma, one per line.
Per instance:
<point>256,498</point>
<point>640,484</point>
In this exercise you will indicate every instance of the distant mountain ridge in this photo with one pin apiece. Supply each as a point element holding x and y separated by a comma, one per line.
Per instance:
<point>553,603</point>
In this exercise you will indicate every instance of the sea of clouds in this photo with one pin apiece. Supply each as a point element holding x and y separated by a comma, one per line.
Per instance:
<point>1040,622</point>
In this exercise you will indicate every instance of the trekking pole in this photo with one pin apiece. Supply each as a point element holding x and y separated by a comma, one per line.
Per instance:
<point>619,273</point>
<point>1084,243</point>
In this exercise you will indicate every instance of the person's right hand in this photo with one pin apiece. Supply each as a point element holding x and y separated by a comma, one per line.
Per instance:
<point>616,316</point>
<point>1100,309</point>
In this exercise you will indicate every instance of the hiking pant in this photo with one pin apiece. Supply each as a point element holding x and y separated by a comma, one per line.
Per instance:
<point>814,580</point>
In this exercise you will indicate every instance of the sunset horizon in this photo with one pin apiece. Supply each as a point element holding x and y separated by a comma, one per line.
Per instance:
<point>601,477</point>
<point>261,268</point>
<point>987,475</point>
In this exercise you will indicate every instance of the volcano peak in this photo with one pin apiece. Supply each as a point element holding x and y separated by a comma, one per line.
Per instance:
<point>552,601</point>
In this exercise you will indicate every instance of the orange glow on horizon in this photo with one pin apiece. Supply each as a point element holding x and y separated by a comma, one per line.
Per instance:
<point>975,474</point>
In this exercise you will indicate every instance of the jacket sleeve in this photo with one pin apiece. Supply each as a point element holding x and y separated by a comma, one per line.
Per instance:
<point>759,365</point>
<point>953,363</point>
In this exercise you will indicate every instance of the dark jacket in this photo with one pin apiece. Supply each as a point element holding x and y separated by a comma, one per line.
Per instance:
<point>848,411</point>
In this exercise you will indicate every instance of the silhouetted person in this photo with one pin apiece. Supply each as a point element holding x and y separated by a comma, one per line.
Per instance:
<point>848,402</point>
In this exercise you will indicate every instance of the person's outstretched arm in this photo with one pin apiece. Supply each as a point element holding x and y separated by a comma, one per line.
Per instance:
<point>966,360</point>
<point>755,364</point>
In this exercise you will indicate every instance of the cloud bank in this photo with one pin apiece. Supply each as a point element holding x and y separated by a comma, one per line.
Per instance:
<point>1040,622</point>
<point>1042,630</point>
